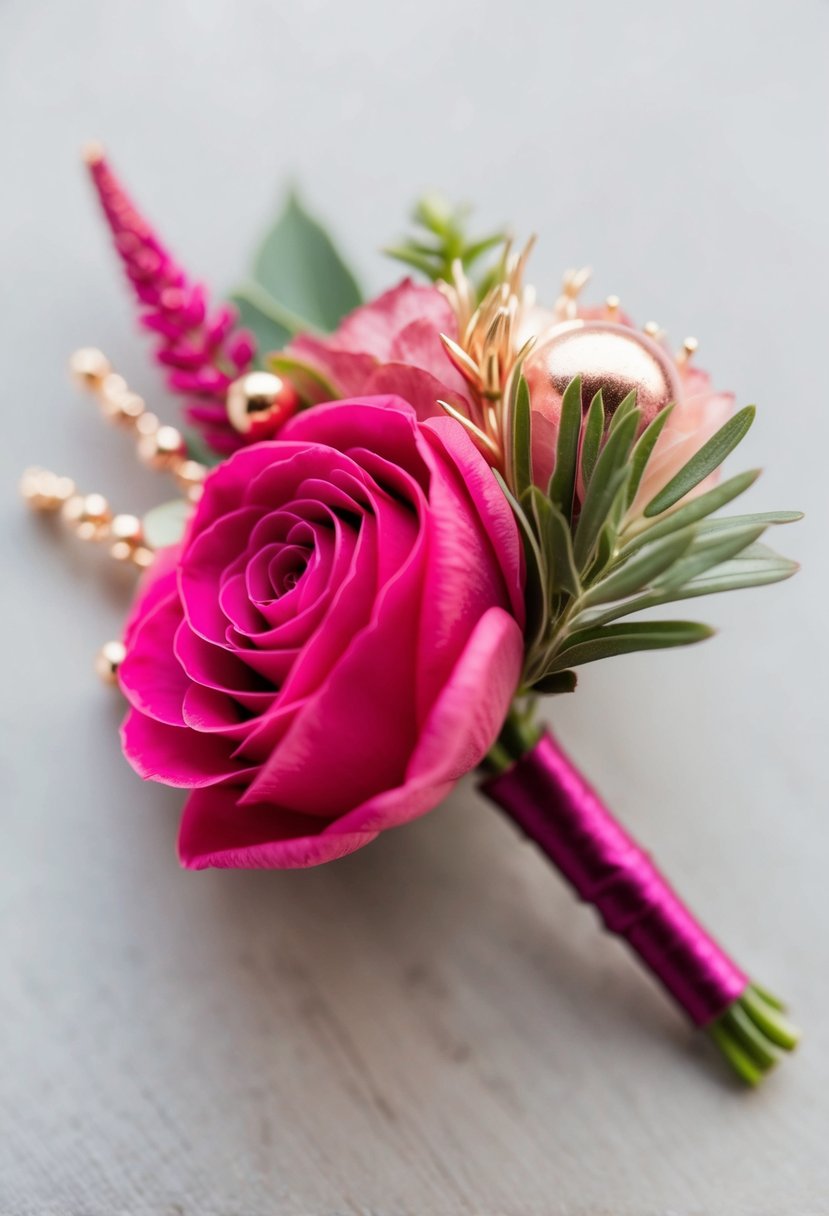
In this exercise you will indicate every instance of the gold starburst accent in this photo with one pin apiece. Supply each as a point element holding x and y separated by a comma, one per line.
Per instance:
<point>487,353</point>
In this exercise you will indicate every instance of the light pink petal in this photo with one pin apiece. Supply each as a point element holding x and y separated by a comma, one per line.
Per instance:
<point>692,423</point>
<point>374,328</point>
<point>418,388</point>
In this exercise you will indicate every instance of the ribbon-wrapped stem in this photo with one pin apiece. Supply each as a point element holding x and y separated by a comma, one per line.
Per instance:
<point>542,791</point>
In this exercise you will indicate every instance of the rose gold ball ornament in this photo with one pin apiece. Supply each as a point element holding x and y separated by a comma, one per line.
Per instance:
<point>108,660</point>
<point>607,356</point>
<point>259,402</point>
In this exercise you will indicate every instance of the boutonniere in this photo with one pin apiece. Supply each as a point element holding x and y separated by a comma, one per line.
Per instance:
<point>399,524</point>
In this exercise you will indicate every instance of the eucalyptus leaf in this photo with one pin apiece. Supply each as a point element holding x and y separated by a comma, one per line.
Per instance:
<point>556,682</point>
<point>164,525</point>
<point>603,642</point>
<point>555,540</point>
<point>705,554</point>
<point>563,481</point>
<point>709,457</point>
<point>301,268</point>
<point>696,509</point>
<point>641,569</point>
<point>767,518</point>
<point>521,437</point>
<point>536,589</point>
<point>592,435</point>
<point>643,450</point>
<point>269,333</point>
<point>626,406</point>
<point>755,566</point>
<point>610,474</point>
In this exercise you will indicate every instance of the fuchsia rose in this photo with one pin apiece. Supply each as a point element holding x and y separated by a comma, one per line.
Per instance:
<point>335,641</point>
<point>391,345</point>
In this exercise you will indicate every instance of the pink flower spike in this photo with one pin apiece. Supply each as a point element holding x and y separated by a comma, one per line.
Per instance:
<point>198,347</point>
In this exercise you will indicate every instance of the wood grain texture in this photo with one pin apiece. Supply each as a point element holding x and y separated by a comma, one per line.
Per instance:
<point>432,1027</point>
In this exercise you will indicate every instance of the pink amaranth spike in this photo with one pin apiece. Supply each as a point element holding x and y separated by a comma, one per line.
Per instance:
<point>201,352</point>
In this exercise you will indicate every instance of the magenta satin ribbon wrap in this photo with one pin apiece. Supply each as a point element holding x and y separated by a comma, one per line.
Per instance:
<point>550,800</point>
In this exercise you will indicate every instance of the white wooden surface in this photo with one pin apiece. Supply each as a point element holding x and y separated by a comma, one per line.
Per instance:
<point>431,1026</point>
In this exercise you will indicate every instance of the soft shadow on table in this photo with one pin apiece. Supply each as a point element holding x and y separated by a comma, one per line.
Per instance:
<point>446,913</point>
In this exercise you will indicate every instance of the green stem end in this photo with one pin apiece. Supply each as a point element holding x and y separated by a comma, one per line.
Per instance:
<point>753,1033</point>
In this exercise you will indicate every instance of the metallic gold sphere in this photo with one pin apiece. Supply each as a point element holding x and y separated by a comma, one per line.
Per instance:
<point>259,402</point>
<point>607,356</point>
<point>108,660</point>
<point>89,366</point>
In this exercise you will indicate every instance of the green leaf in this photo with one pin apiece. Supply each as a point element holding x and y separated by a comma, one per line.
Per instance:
<point>556,682</point>
<point>641,569</point>
<point>592,437</point>
<point>709,457</point>
<point>705,554</point>
<point>563,481</point>
<point>269,333</point>
<point>626,406</point>
<point>311,385</point>
<point>555,542</point>
<point>643,450</point>
<point>536,593</point>
<point>590,645</point>
<point>164,525</point>
<point>694,510</point>
<point>767,518</point>
<point>300,280</point>
<point>415,258</point>
<point>198,449</point>
<point>521,438</point>
<point>609,476</point>
<point>755,566</point>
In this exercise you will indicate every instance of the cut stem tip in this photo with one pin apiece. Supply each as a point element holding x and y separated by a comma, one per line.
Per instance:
<point>753,1033</point>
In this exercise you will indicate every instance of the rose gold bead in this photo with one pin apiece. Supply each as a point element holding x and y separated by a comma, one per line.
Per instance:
<point>89,366</point>
<point>125,408</point>
<point>147,424</point>
<point>89,515</point>
<point>259,402</point>
<point>164,449</point>
<point>127,535</point>
<point>142,557</point>
<point>190,476</point>
<point>45,491</point>
<point>108,660</point>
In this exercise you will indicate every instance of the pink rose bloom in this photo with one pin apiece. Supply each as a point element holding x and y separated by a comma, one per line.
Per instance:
<point>335,641</point>
<point>391,345</point>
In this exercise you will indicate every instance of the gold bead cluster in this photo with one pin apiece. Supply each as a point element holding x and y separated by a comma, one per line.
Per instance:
<point>89,516</point>
<point>159,445</point>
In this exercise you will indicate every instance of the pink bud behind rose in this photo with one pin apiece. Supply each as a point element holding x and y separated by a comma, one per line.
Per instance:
<point>393,345</point>
<point>618,358</point>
